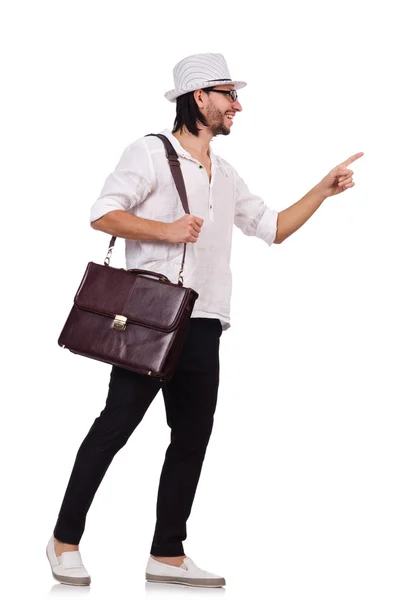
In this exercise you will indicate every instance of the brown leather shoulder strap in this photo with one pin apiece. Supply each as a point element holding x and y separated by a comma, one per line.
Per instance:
<point>175,167</point>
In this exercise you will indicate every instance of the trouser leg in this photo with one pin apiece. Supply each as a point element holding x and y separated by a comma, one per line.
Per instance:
<point>128,399</point>
<point>190,400</point>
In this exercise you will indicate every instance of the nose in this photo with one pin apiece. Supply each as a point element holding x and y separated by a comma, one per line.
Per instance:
<point>237,106</point>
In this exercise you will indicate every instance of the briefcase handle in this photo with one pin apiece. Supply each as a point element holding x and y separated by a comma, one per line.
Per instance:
<point>151,273</point>
<point>176,171</point>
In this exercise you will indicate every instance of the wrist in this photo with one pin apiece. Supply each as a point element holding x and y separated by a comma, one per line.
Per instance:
<point>320,193</point>
<point>163,231</point>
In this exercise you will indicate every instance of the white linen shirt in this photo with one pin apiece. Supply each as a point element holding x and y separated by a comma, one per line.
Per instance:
<point>142,184</point>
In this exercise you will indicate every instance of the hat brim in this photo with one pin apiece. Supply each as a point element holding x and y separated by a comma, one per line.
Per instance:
<point>172,95</point>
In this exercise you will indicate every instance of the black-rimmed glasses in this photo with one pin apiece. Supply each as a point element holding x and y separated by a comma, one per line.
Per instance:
<point>231,93</point>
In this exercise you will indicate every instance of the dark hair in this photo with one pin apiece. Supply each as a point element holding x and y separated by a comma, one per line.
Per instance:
<point>188,114</point>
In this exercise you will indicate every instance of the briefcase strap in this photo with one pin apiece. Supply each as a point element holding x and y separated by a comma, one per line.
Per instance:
<point>176,172</point>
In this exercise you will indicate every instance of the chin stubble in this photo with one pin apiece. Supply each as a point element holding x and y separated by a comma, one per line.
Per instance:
<point>216,121</point>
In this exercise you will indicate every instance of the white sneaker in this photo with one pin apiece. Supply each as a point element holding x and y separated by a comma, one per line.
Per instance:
<point>67,568</point>
<point>187,574</point>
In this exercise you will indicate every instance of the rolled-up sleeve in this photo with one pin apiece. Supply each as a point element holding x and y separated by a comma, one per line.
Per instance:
<point>252,215</point>
<point>130,183</point>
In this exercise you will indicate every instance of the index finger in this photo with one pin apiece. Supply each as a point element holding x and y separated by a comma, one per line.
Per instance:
<point>349,161</point>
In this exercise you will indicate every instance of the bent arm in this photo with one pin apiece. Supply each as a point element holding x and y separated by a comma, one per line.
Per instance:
<point>125,225</point>
<point>125,188</point>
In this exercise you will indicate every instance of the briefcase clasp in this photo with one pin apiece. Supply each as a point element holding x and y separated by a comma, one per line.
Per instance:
<point>120,322</point>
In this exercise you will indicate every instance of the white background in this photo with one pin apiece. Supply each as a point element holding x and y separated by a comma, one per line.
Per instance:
<point>298,492</point>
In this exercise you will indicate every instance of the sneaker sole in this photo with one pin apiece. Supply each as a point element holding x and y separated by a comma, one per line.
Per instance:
<point>186,581</point>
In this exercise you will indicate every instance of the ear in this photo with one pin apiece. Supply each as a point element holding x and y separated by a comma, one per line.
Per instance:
<point>198,96</point>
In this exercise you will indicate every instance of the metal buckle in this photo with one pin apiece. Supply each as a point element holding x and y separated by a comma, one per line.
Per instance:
<point>108,256</point>
<point>120,322</point>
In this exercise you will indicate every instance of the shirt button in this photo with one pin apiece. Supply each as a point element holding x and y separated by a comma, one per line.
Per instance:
<point>210,205</point>
<point>201,166</point>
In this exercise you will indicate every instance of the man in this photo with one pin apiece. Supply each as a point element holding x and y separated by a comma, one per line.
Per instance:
<point>139,202</point>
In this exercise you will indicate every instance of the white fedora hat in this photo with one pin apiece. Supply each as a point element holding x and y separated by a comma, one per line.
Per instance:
<point>200,71</point>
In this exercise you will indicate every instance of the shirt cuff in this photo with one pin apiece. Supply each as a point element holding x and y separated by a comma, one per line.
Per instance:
<point>103,207</point>
<point>267,226</point>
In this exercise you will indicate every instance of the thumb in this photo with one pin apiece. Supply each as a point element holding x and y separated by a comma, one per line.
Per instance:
<point>341,170</point>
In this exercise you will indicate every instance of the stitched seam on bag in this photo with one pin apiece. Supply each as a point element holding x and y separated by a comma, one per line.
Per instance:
<point>103,313</point>
<point>144,323</point>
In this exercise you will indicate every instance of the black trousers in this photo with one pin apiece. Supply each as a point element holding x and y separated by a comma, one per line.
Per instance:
<point>190,400</point>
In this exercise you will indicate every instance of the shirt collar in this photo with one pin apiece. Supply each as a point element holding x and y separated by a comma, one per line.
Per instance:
<point>180,150</point>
